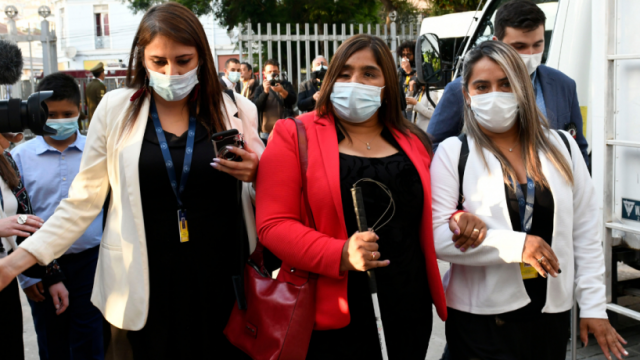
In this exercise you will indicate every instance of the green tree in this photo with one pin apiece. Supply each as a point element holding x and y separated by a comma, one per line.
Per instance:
<point>232,12</point>
<point>441,7</point>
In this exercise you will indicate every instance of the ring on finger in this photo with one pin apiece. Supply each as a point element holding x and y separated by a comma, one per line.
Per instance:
<point>540,260</point>
<point>22,219</point>
<point>373,255</point>
<point>476,230</point>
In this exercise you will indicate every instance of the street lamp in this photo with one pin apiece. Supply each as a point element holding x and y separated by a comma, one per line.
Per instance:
<point>44,11</point>
<point>11,11</point>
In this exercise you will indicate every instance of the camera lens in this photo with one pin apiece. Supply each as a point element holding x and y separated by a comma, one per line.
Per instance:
<point>17,115</point>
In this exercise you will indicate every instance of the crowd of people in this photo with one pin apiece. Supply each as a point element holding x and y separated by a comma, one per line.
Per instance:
<point>132,242</point>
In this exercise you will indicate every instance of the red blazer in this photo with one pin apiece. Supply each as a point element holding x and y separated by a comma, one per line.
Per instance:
<point>280,214</point>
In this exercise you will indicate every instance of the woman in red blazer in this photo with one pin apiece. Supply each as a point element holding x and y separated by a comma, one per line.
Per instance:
<point>356,132</point>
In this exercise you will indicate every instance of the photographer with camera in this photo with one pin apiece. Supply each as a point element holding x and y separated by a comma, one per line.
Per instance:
<point>309,90</point>
<point>274,99</point>
<point>173,216</point>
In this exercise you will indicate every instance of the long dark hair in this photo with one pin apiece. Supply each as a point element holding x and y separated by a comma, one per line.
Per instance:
<point>179,24</point>
<point>8,174</point>
<point>390,112</point>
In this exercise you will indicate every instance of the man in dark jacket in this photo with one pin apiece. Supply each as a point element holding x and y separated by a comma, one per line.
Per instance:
<point>308,93</point>
<point>521,25</point>
<point>274,99</point>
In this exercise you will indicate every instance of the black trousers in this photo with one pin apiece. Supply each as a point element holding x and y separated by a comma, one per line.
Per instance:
<point>488,337</point>
<point>11,343</point>
<point>76,333</point>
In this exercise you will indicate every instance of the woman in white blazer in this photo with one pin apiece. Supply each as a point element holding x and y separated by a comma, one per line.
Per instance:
<point>510,297</point>
<point>163,273</point>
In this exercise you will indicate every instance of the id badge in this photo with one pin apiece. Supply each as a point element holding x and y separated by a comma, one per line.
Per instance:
<point>528,271</point>
<point>182,224</point>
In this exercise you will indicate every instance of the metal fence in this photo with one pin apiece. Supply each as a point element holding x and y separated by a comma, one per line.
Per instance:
<point>301,46</point>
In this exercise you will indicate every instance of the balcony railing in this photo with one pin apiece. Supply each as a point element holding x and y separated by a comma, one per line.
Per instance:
<point>103,42</point>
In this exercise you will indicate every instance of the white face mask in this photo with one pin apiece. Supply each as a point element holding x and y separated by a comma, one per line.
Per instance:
<point>532,61</point>
<point>234,76</point>
<point>355,102</point>
<point>319,67</point>
<point>496,111</point>
<point>173,87</point>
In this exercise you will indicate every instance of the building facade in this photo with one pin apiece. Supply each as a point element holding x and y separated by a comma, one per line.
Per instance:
<point>92,31</point>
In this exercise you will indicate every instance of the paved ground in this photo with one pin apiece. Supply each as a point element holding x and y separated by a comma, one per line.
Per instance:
<point>629,329</point>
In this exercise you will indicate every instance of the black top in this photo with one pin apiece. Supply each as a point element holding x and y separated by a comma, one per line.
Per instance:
<point>190,283</point>
<point>542,226</point>
<point>403,290</point>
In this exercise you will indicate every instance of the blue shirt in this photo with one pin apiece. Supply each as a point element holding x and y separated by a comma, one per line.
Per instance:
<point>537,88</point>
<point>47,175</point>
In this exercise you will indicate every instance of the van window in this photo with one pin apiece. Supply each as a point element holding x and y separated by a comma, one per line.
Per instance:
<point>550,8</point>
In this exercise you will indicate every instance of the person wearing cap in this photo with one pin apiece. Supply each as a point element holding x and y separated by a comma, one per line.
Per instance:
<point>95,89</point>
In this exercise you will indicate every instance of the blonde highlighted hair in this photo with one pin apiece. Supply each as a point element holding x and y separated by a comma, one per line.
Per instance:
<point>532,123</point>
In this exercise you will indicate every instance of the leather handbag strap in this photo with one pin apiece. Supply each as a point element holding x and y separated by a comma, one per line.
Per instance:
<point>257,257</point>
<point>304,164</point>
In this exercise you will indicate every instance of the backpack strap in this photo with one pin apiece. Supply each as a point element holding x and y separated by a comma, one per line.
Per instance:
<point>565,141</point>
<point>462,164</point>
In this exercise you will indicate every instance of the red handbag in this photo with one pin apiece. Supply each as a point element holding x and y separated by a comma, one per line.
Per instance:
<point>279,316</point>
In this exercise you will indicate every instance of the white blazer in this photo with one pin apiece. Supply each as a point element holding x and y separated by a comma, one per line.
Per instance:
<point>487,279</point>
<point>121,288</point>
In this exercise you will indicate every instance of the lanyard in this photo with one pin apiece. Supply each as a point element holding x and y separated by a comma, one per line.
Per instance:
<point>188,153</point>
<point>420,97</point>
<point>526,206</point>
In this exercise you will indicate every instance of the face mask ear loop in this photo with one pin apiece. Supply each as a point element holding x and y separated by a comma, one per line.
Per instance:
<point>391,202</point>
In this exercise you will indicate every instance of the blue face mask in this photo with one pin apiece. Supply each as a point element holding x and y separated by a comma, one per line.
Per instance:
<point>65,127</point>
<point>355,102</point>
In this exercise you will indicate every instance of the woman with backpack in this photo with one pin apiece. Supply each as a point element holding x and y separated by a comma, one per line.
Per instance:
<point>510,297</point>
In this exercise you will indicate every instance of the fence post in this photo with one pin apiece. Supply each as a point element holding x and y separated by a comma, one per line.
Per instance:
<point>250,44</point>
<point>259,53</point>
<point>239,42</point>
<point>394,41</point>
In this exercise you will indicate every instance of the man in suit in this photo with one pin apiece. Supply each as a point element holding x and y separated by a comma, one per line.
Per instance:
<point>274,99</point>
<point>308,93</point>
<point>95,89</point>
<point>521,25</point>
<point>231,76</point>
<point>248,81</point>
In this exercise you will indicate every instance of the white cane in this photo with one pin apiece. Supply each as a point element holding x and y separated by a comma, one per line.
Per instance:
<point>358,204</point>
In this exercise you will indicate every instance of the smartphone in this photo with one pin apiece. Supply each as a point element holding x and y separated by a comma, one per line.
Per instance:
<point>227,138</point>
